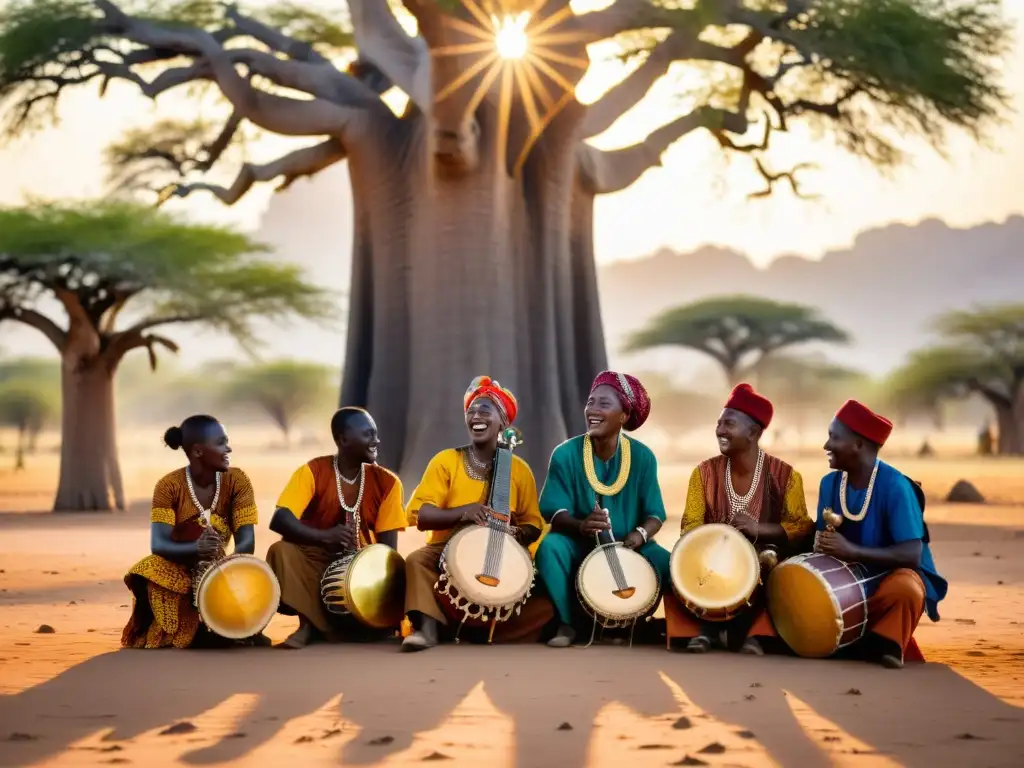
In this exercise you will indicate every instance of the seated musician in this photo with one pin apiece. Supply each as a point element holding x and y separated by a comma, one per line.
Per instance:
<point>316,518</point>
<point>195,511</point>
<point>762,496</point>
<point>452,494</point>
<point>623,471</point>
<point>883,529</point>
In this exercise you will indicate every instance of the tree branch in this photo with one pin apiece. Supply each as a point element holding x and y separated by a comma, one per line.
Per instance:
<point>623,16</point>
<point>39,321</point>
<point>302,162</point>
<point>381,41</point>
<point>274,39</point>
<point>603,172</point>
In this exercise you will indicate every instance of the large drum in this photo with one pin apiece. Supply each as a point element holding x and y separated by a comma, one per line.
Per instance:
<point>368,585</point>
<point>486,576</point>
<point>617,586</point>
<point>237,596</point>
<point>715,571</point>
<point>818,604</point>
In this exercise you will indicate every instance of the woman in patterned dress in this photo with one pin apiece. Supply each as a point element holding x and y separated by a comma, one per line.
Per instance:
<point>196,509</point>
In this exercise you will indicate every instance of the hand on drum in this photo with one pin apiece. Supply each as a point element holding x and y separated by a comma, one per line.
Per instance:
<point>477,513</point>
<point>597,521</point>
<point>746,525</point>
<point>835,544</point>
<point>340,538</point>
<point>209,546</point>
<point>633,540</point>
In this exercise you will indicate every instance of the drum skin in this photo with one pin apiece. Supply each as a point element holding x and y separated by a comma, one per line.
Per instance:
<point>461,561</point>
<point>715,571</point>
<point>817,604</point>
<point>238,596</point>
<point>595,586</point>
<point>368,585</point>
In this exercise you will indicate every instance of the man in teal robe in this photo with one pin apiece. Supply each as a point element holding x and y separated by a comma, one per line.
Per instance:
<point>626,504</point>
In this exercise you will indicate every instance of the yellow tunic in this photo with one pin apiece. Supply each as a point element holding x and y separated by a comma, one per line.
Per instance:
<point>445,485</point>
<point>162,611</point>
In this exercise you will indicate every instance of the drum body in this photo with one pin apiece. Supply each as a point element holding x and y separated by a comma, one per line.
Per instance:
<point>466,594</point>
<point>818,604</point>
<point>715,571</point>
<point>237,596</point>
<point>368,585</point>
<point>600,595</point>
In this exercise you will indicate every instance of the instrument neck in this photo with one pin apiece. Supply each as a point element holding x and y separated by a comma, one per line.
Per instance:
<point>603,537</point>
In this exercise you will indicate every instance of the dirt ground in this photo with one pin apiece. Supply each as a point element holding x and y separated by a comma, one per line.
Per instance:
<point>73,698</point>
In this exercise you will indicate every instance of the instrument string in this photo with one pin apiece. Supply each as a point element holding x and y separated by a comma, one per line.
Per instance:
<point>611,553</point>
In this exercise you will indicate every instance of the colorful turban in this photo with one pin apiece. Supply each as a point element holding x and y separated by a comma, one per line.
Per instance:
<point>866,423</point>
<point>745,400</point>
<point>485,386</point>
<point>632,395</point>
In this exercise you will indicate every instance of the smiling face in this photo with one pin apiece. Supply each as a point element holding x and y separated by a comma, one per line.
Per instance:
<point>483,420</point>
<point>843,447</point>
<point>359,442</point>
<point>604,413</point>
<point>213,451</point>
<point>736,432</point>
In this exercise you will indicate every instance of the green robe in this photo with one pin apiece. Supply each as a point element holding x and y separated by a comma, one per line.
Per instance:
<point>566,487</point>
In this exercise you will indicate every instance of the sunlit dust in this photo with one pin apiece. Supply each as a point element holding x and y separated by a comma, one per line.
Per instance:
<point>510,38</point>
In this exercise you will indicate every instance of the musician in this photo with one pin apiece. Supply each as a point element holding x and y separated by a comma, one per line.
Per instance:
<point>623,471</point>
<point>315,517</point>
<point>883,529</point>
<point>452,494</point>
<point>759,494</point>
<point>195,511</point>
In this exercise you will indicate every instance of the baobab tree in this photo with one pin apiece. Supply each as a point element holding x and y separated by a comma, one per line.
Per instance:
<point>473,200</point>
<point>737,332</point>
<point>119,276</point>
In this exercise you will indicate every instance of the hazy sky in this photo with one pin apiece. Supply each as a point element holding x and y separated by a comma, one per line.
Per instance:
<point>697,197</point>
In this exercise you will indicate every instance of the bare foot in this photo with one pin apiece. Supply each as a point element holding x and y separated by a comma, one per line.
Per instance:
<point>423,638</point>
<point>752,647</point>
<point>699,644</point>
<point>300,638</point>
<point>891,662</point>
<point>563,638</point>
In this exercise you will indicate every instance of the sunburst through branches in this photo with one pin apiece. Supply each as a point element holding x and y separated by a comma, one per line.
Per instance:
<point>508,40</point>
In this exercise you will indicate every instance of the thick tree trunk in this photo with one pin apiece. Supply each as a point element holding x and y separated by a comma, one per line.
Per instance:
<point>1010,426</point>
<point>459,273</point>
<point>89,471</point>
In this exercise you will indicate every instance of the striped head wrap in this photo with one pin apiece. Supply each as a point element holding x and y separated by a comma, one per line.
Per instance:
<point>635,401</point>
<point>485,386</point>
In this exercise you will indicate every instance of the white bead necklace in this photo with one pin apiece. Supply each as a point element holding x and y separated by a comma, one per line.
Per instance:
<point>354,509</point>
<point>739,503</point>
<point>204,514</point>
<point>867,496</point>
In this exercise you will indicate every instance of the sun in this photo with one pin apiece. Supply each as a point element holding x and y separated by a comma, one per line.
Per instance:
<point>510,38</point>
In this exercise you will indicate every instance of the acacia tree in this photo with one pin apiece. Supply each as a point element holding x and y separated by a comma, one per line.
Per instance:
<point>120,274</point>
<point>473,245</point>
<point>982,354</point>
<point>737,332</point>
<point>27,407</point>
<point>283,390</point>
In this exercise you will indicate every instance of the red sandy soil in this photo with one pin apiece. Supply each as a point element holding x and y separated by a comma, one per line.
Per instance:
<point>74,698</point>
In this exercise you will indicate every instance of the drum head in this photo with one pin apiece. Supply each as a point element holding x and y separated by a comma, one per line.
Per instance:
<point>803,609</point>
<point>464,559</point>
<point>597,585</point>
<point>714,566</point>
<point>376,587</point>
<point>238,597</point>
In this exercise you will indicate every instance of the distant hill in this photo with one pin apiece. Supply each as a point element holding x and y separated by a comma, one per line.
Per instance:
<point>885,290</point>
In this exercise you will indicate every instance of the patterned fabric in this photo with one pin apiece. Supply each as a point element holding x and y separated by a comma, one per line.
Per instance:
<point>162,611</point>
<point>634,398</point>
<point>780,499</point>
<point>485,386</point>
<point>312,496</point>
<point>445,485</point>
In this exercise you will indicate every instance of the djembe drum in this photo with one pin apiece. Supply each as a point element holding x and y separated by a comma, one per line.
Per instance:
<point>237,596</point>
<point>368,585</point>
<point>715,571</point>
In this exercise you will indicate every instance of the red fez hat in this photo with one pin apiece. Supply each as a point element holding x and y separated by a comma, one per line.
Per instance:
<point>865,422</point>
<point>745,400</point>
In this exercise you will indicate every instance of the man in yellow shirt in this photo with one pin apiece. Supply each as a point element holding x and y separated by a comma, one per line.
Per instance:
<point>453,493</point>
<point>327,499</point>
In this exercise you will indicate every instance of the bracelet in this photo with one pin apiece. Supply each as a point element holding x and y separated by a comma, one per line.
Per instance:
<point>642,531</point>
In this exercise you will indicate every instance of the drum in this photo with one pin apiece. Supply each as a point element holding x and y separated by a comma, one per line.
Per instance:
<point>368,585</point>
<point>715,571</point>
<point>818,604</point>
<point>237,596</point>
<point>617,586</point>
<point>486,576</point>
